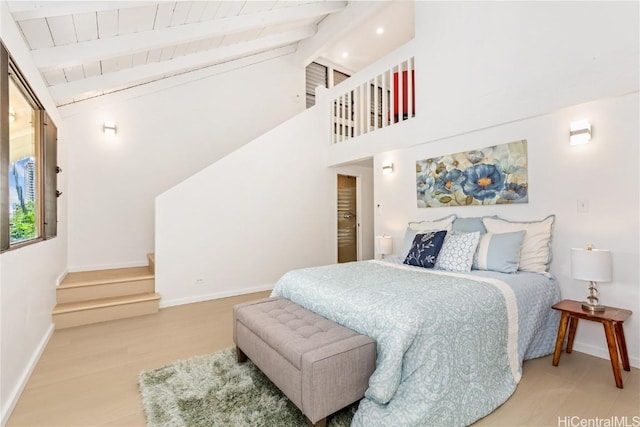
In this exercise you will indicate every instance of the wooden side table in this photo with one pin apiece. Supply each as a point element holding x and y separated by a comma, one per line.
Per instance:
<point>612,319</point>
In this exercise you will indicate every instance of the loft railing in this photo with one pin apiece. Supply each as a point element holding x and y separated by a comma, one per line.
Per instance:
<point>383,100</point>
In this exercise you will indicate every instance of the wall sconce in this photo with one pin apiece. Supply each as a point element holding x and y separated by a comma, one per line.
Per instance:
<point>580,132</point>
<point>387,168</point>
<point>12,115</point>
<point>109,128</point>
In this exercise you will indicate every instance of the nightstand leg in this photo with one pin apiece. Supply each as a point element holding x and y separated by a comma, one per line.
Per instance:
<point>562,330</point>
<point>622,346</point>
<point>573,325</point>
<point>609,332</point>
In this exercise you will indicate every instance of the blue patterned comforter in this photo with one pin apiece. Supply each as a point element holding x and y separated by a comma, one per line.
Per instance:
<point>450,346</point>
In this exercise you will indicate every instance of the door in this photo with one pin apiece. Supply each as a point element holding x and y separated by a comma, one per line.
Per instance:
<point>347,219</point>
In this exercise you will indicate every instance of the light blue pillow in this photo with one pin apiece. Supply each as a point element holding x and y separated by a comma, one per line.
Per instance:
<point>470,224</point>
<point>499,252</point>
<point>457,252</point>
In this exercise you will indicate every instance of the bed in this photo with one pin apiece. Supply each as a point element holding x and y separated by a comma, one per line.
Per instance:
<point>450,345</point>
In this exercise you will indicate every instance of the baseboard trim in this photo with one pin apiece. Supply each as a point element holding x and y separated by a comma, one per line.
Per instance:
<point>141,263</point>
<point>17,392</point>
<point>61,277</point>
<point>216,295</point>
<point>602,352</point>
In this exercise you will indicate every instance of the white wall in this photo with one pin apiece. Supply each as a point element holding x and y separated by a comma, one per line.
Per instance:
<point>604,173</point>
<point>28,284</point>
<point>485,63</point>
<point>163,138</point>
<point>28,275</point>
<point>238,225</point>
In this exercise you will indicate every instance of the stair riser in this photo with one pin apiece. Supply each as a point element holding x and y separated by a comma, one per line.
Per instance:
<point>106,290</point>
<point>104,314</point>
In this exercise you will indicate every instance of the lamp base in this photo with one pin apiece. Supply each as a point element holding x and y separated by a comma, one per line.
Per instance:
<point>593,308</point>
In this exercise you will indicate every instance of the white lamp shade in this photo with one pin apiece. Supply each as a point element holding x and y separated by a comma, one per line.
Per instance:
<point>592,265</point>
<point>385,245</point>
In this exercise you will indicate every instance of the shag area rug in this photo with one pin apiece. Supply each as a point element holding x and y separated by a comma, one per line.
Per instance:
<point>215,390</point>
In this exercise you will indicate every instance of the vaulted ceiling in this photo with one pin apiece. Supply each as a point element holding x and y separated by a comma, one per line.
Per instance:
<point>86,49</point>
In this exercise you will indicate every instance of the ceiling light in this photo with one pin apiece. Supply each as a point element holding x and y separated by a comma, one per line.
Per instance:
<point>345,54</point>
<point>380,30</point>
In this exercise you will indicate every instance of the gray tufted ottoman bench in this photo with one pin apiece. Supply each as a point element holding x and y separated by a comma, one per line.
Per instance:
<point>319,365</point>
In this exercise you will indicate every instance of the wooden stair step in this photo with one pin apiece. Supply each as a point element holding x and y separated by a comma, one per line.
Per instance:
<point>99,277</point>
<point>104,302</point>
<point>100,284</point>
<point>71,314</point>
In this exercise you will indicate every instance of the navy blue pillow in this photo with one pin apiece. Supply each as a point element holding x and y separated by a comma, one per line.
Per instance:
<point>425,249</point>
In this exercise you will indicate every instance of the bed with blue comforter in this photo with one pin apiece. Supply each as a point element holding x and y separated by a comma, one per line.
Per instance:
<point>450,345</point>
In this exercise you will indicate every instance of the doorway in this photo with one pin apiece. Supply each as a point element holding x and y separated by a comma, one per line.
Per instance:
<point>347,218</point>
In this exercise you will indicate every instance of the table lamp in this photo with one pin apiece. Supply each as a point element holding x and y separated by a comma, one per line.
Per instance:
<point>592,265</point>
<point>385,245</point>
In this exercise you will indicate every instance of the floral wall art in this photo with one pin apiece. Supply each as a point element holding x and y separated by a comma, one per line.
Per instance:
<point>486,176</point>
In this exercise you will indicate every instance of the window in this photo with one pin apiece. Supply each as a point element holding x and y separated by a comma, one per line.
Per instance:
<point>316,75</point>
<point>24,167</point>
<point>339,77</point>
<point>27,162</point>
<point>377,111</point>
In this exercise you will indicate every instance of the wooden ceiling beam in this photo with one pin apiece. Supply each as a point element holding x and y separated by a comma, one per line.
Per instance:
<point>80,104</point>
<point>111,47</point>
<point>149,72</point>
<point>23,10</point>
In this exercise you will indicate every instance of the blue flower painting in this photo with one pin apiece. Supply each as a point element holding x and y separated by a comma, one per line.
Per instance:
<point>482,181</point>
<point>487,176</point>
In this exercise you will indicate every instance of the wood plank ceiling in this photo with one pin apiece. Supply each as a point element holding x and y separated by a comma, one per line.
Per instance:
<point>86,49</point>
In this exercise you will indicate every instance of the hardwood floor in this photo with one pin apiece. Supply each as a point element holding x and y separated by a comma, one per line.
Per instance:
<point>87,375</point>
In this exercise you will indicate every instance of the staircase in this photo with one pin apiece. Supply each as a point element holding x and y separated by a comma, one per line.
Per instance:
<point>98,296</point>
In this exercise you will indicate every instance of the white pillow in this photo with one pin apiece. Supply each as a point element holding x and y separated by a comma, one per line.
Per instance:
<point>414,227</point>
<point>457,252</point>
<point>535,254</point>
<point>439,224</point>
